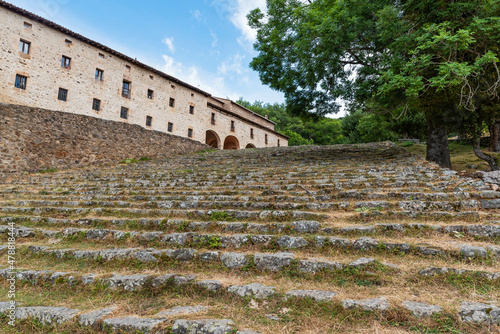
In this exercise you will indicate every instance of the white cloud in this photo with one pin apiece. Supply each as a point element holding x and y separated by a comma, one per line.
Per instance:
<point>196,14</point>
<point>169,42</point>
<point>214,39</point>
<point>212,83</point>
<point>232,65</point>
<point>239,19</point>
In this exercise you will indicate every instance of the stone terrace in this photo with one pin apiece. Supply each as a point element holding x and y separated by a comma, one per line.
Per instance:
<point>361,238</point>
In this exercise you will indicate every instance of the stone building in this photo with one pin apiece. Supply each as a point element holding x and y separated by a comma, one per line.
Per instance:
<point>45,65</point>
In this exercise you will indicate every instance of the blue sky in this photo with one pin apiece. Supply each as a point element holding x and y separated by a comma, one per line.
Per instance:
<point>206,43</point>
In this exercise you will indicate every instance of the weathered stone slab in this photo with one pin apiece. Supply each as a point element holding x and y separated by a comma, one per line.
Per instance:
<point>132,324</point>
<point>210,285</point>
<point>224,326</point>
<point>234,260</point>
<point>314,294</point>
<point>47,315</point>
<point>92,318</point>
<point>273,262</point>
<point>421,310</point>
<point>373,304</point>
<point>255,290</point>
<point>479,313</point>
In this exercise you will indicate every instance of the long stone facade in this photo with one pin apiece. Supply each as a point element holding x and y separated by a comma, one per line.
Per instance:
<point>47,66</point>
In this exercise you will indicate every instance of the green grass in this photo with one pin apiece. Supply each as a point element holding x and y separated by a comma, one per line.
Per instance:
<point>462,156</point>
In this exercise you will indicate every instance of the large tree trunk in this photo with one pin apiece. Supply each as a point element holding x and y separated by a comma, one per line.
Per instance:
<point>494,136</point>
<point>437,144</point>
<point>483,156</point>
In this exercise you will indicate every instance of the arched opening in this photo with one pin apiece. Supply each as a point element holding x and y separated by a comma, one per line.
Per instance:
<point>231,143</point>
<point>250,146</point>
<point>212,139</point>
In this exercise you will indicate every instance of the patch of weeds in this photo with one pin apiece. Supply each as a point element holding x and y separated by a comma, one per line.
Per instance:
<point>48,170</point>
<point>214,242</point>
<point>183,226</point>
<point>145,159</point>
<point>220,216</point>
<point>129,161</point>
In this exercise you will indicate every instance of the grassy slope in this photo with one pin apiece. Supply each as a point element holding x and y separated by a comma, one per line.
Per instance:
<point>462,156</point>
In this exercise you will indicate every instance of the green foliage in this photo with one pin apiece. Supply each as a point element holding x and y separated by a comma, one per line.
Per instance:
<point>145,159</point>
<point>301,130</point>
<point>128,161</point>
<point>48,170</point>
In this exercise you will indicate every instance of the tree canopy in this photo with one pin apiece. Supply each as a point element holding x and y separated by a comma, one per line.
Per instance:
<point>401,58</point>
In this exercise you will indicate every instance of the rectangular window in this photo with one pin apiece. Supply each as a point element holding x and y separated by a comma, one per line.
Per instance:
<point>124,113</point>
<point>24,46</point>
<point>21,81</point>
<point>150,94</point>
<point>128,67</point>
<point>66,62</point>
<point>191,110</point>
<point>98,74</point>
<point>251,133</point>
<point>101,55</point>
<point>170,127</point>
<point>213,119</point>
<point>149,120</point>
<point>68,42</point>
<point>266,139</point>
<point>63,94</point>
<point>279,143</point>
<point>96,105</point>
<point>126,89</point>
<point>171,102</point>
<point>28,25</point>
<point>151,77</point>
<point>190,133</point>
<point>232,126</point>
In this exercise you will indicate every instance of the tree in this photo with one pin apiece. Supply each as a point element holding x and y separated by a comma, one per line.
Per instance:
<point>382,55</point>
<point>449,68</point>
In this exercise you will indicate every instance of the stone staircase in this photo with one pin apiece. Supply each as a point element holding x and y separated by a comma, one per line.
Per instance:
<point>333,239</point>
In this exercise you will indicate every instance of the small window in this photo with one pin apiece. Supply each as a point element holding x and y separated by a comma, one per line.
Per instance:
<point>128,67</point>
<point>68,42</point>
<point>150,94</point>
<point>28,25</point>
<point>279,143</point>
<point>21,81</point>
<point>213,119</point>
<point>124,113</point>
<point>266,139</point>
<point>170,127</point>
<point>171,102</point>
<point>126,89</point>
<point>63,94</point>
<point>251,133</point>
<point>66,62</point>
<point>151,77</point>
<point>190,133</point>
<point>98,74</point>
<point>96,105</point>
<point>232,126</point>
<point>172,86</point>
<point>191,110</point>
<point>192,95</point>
<point>149,120</point>
<point>101,55</point>
<point>24,46</point>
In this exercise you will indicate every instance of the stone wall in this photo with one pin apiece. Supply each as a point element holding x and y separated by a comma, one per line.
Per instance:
<point>33,139</point>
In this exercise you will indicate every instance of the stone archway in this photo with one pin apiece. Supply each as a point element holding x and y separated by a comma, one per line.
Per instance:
<point>231,143</point>
<point>212,139</point>
<point>250,146</point>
